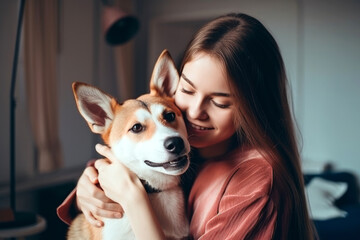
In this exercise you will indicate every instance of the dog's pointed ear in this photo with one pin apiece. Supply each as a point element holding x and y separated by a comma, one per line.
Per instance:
<point>165,77</point>
<point>95,106</point>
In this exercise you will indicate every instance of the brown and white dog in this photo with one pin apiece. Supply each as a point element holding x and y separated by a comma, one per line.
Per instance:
<point>148,135</point>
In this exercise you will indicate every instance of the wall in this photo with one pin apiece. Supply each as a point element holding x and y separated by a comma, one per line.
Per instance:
<point>330,86</point>
<point>83,57</point>
<point>75,63</point>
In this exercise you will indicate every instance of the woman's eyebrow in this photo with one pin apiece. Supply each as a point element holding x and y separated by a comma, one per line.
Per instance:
<point>187,80</point>
<point>219,94</point>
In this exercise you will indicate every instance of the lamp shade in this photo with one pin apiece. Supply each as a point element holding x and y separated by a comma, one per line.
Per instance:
<point>118,26</point>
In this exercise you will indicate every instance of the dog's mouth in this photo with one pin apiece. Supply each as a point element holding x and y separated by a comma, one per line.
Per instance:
<point>176,164</point>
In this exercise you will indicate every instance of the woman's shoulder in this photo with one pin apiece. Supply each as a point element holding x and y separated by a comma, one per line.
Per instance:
<point>255,163</point>
<point>250,184</point>
<point>249,158</point>
<point>240,172</point>
<point>252,173</point>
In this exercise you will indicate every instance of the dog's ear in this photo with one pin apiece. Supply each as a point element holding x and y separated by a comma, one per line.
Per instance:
<point>165,77</point>
<point>95,106</point>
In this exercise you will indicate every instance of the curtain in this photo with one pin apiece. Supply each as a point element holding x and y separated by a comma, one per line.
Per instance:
<point>40,46</point>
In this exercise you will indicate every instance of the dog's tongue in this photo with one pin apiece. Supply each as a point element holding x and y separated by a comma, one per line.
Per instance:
<point>175,164</point>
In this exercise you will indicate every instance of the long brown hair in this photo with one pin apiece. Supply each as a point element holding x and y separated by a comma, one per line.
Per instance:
<point>259,84</point>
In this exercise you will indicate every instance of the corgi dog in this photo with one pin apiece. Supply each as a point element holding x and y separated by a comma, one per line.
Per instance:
<point>148,135</point>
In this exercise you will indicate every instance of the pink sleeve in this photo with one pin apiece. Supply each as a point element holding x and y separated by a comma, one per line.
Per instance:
<point>66,211</point>
<point>243,207</point>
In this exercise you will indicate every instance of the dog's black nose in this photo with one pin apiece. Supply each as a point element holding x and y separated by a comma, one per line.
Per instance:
<point>174,145</point>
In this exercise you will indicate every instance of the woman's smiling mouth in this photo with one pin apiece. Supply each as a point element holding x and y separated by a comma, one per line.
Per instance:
<point>195,127</point>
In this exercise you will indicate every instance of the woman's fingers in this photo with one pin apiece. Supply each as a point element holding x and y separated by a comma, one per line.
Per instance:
<point>92,220</point>
<point>92,201</point>
<point>89,215</point>
<point>92,174</point>
<point>101,163</point>
<point>104,151</point>
<point>110,159</point>
<point>108,210</point>
<point>86,187</point>
<point>114,177</point>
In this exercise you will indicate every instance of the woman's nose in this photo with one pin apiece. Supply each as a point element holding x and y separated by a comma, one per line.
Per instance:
<point>197,110</point>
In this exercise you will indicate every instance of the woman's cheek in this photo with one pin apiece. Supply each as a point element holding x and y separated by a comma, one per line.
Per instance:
<point>180,101</point>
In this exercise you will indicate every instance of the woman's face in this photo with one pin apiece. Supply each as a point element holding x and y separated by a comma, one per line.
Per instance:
<point>204,97</point>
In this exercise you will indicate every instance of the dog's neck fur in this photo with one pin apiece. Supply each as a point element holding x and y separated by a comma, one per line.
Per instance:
<point>149,188</point>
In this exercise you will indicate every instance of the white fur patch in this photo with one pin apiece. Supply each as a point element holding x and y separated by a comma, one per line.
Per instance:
<point>142,115</point>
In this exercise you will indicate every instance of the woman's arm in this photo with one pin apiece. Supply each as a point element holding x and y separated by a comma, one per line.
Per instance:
<point>90,199</point>
<point>244,210</point>
<point>115,179</point>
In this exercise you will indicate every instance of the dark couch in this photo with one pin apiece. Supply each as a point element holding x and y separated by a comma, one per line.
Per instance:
<point>341,228</point>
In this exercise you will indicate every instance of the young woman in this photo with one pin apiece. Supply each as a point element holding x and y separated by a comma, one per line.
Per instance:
<point>248,183</point>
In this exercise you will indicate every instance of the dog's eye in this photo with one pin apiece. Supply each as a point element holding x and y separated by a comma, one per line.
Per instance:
<point>137,128</point>
<point>169,116</point>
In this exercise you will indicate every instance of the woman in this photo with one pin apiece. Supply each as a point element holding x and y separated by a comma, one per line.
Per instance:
<point>233,95</point>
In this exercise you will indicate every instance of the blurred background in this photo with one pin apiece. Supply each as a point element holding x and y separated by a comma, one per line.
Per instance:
<point>319,41</point>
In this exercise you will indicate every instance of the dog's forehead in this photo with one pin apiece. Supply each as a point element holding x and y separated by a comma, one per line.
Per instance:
<point>154,111</point>
<point>134,103</point>
<point>143,109</point>
<point>167,102</point>
<point>138,105</point>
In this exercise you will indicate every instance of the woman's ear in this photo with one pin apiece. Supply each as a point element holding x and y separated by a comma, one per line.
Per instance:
<point>165,77</point>
<point>94,106</point>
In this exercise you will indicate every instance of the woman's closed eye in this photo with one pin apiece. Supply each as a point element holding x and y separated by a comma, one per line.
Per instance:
<point>221,105</point>
<point>186,91</point>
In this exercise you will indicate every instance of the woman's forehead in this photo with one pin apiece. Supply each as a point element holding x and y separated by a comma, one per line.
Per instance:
<point>205,70</point>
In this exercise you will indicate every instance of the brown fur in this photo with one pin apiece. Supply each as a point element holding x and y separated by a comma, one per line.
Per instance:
<point>79,223</point>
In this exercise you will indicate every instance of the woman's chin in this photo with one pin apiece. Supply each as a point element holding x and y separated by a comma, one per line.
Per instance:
<point>212,149</point>
<point>202,145</point>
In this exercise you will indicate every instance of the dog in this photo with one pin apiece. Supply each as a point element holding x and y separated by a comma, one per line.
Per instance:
<point>148,135</point>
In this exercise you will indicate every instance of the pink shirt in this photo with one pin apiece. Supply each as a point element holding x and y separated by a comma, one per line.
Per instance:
<point>228,196</point>
<point>226,199</point>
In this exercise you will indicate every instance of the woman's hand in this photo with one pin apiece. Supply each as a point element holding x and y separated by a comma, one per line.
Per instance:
<point>123,186</point>
<point>118,182</point>
<point>92,201</point>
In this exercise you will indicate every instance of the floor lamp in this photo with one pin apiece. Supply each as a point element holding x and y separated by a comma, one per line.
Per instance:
<point>13,218</point>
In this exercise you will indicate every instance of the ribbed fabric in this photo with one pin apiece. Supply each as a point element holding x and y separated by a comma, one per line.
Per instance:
<point>229,195</point>
<point>226,200</point>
